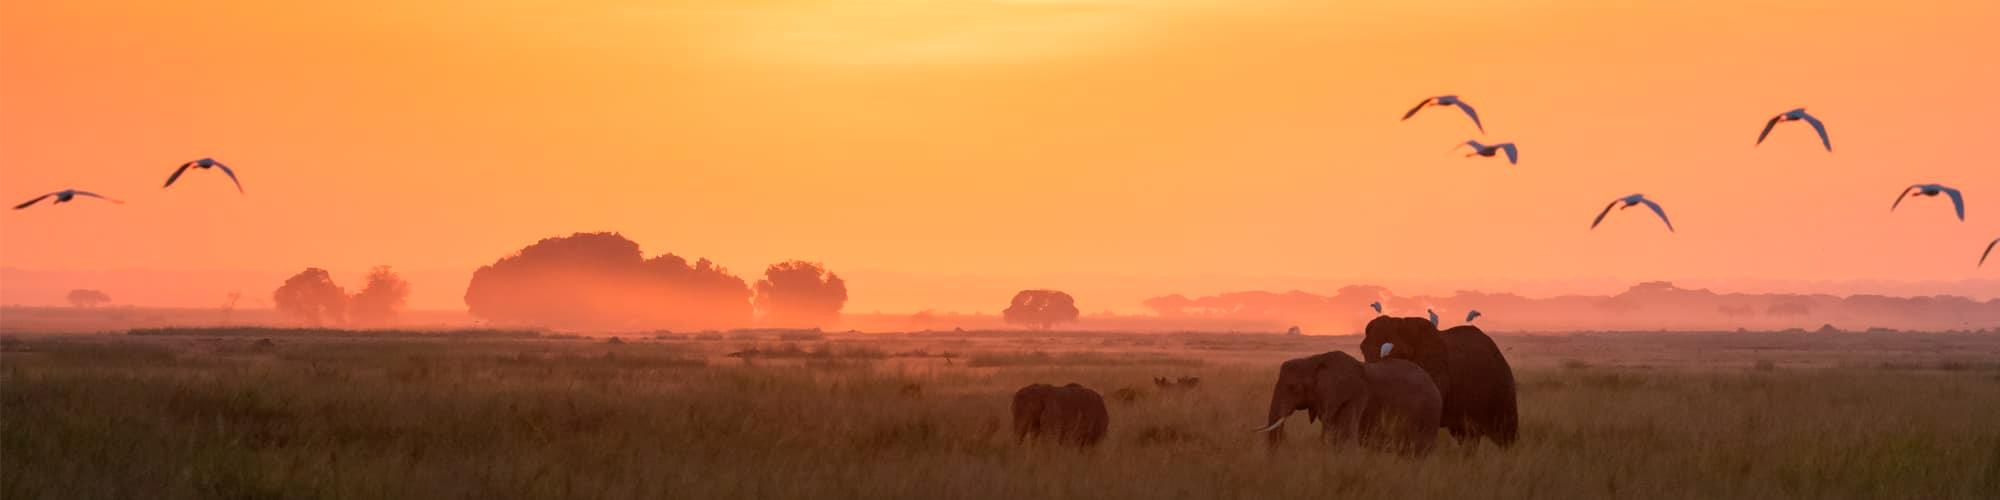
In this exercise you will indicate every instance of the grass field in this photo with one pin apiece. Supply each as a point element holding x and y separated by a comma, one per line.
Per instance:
<point>311,415</point>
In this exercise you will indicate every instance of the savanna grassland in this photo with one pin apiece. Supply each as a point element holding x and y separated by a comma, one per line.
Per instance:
<point>195,414</point>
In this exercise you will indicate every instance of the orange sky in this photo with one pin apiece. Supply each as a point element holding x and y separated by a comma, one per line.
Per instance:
<point>1198,144</point>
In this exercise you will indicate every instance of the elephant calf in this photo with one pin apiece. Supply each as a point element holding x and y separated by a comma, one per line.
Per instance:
<point>1389,404</point>
<point>1071,414</point>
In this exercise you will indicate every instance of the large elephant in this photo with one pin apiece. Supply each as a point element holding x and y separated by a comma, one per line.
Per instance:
<point>1071,414</point>
<point>1392,404</point>
<point>1469,369</point>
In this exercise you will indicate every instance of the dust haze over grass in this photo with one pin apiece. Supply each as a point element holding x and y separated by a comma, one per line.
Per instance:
<point>1905,416</point>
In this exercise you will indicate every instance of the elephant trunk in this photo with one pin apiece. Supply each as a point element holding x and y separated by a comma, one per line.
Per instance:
<point>1280,408</point>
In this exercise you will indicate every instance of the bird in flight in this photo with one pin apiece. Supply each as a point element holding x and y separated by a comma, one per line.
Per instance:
<point>1434,317</point>
<point>1989,251</point>
<point>204,163</point>
<point>1628,202</point>
<point>1488,150</point>
<point>1472,315</point>
<point>1957,200</point>
<point>64,196</point>
<point>1448,100</point>
<point>1797,115</point>
<point>1377,305</point>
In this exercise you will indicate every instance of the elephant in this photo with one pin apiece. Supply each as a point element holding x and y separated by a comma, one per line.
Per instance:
<point>1467,366</point>
<point>1071,414</point>
<point>1391,404</point>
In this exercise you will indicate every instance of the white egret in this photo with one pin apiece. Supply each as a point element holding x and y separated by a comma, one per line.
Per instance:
<point>1629,201</point>
<point>64,196</point>
<point>204,163</point>
<point>1448,100</point>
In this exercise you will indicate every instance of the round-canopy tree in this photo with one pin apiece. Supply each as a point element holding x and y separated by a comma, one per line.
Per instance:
<point>380,300</point>
<point>800,294</point>
<point>312,297</point>
<point>1040,308</point>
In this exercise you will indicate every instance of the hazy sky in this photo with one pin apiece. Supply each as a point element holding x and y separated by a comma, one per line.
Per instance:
<point>1200,141</point>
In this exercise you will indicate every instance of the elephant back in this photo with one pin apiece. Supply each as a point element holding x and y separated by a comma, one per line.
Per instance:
<point>1072,414</point>
<point>1413,339</point>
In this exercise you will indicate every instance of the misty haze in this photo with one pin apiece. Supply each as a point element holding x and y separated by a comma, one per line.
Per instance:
<point>999,249</point>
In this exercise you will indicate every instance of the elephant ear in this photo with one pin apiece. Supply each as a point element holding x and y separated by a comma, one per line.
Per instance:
<point>1339,380</point>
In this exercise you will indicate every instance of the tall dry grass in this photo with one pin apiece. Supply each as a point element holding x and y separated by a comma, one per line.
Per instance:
<point>494,418</point>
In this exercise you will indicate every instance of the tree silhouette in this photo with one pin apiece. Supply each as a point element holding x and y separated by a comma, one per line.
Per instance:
<point>311,297</point>
<point>1040,308</point>
<point>602,280</point>
<point>84,298</point>
<point>378,302</point>
<point>800,294</point>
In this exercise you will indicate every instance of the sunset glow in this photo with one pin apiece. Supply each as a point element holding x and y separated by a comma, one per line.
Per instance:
<point>946,154</point>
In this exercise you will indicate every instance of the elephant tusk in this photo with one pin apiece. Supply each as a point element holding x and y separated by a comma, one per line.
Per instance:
<point>1386,346</point>
<point>1272,427</point>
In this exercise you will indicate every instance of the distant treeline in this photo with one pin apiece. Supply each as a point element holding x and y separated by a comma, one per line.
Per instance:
<point>1646,306</point>
<point>602,281</point>
<point>251,331</point>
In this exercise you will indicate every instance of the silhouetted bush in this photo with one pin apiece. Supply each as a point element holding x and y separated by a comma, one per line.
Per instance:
<point>83,298</point>
<point>601,280</point>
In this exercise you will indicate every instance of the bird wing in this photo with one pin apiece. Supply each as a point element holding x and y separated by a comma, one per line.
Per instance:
<point>1906,194</point>
<point>1600,215</point>
<point>1513,154</point>
<point>232,176</point>
<point>101,197</point>
<point>1420,107</point>
<point>1821,128</point>
<point>1989,251</point>
<point>1767,128</point>
<point>1656,209</point>
<point>1474,114</point>
<point>1957,202</point>
<point>177,174</point>
<point>39,198</point>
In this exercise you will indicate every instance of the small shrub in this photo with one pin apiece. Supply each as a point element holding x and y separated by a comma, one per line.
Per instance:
<point>1127,395</point>
<point>1160,435</point>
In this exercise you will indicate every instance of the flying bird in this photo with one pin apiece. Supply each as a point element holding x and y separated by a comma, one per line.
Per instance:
<point>1957,200</point>
<point>1377,305</point>
<point>1488,150</point>
<point>64,196</point>
<point>1472,315</point>
<point>1434,317</point>
<point>204,163</point>
<point>1629,201</point>
<point>1797,115</point>
<point>1448,100</point>
<point>1989,251</point>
